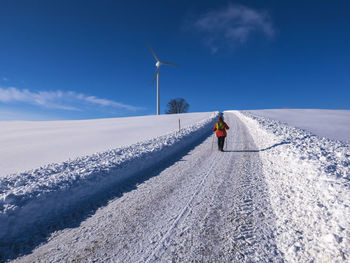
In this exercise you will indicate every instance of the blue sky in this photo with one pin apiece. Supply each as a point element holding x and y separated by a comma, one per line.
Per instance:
<point>89,59</point>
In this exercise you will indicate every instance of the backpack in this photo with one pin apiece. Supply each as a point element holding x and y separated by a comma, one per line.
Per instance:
<point>220,125</point>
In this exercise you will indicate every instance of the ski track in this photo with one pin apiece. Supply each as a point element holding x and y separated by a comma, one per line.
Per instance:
<point>209,206</point>
<point>205,172</point>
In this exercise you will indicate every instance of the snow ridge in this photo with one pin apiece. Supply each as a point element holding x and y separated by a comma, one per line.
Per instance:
<point>33,198</point>
<point>308,178</point>
<point>333,156</point>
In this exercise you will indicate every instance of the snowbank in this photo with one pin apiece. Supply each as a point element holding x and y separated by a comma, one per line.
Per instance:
<point>35,199</point>
<point>308,178</point>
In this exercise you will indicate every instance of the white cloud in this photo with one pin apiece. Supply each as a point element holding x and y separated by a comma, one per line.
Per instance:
<point>58,99</point>
<point>232,25</point>
<point>106,103</point>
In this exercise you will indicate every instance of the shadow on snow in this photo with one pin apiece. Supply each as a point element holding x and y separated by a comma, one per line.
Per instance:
<point>261,150</point>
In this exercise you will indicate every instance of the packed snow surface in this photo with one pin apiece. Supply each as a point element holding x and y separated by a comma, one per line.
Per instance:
<point>28,145</point>
<point>332,124</point>
<point>276,194</point>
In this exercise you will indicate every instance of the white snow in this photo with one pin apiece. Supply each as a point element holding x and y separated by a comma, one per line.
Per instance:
<point>332,124</point>
<point>28,200</point>
<point>280,192</point>
<point>28,145</point>
<point>308,179</point>
<point>206,206</point>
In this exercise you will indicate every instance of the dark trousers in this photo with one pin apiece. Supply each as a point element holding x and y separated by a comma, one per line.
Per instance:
<point>221,142</point>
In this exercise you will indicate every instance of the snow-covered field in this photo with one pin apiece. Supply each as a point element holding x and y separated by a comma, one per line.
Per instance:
<point>332,124</point>
<point>278,193</point>
<point>28,145</point>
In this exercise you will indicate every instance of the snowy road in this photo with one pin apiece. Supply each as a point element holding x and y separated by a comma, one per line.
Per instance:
<point>208,206</point>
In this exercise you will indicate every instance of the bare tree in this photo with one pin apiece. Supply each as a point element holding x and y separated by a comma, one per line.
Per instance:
<point>178,105</point>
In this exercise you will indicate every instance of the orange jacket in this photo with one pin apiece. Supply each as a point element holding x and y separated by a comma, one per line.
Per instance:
<point>221,133</point>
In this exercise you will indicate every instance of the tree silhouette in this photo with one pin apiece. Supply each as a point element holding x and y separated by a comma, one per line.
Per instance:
<point>178,105</point>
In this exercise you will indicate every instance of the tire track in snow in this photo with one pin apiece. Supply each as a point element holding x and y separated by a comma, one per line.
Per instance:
<point>185,211</point>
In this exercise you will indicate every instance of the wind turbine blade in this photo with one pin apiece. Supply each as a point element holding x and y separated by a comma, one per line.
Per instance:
<point>154,54</point>
<point>169,63</point>
<point>155,75</point>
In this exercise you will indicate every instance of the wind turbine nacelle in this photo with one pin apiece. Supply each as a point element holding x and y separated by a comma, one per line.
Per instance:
<point>158,64</point>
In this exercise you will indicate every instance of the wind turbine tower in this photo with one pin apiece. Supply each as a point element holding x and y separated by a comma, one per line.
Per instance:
<point>156,75</point>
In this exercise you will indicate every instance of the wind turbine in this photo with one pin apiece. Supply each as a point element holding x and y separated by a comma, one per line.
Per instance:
<point>156,75</point>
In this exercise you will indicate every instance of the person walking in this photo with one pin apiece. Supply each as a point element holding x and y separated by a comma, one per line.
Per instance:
<point>220,127</point>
